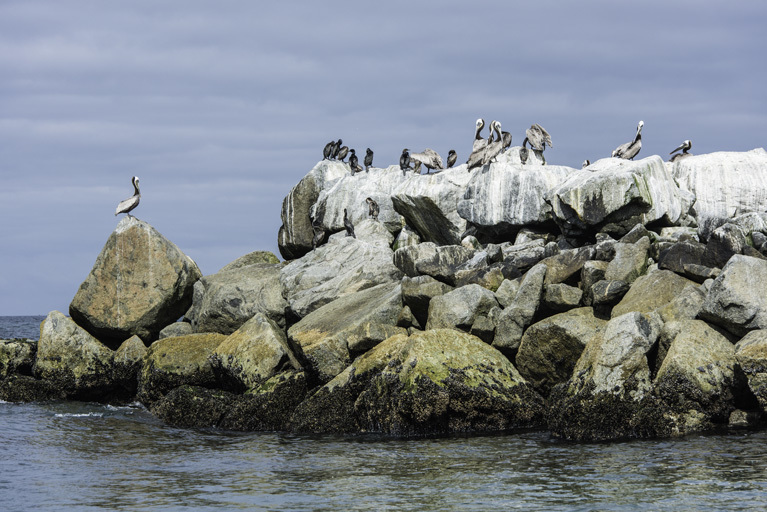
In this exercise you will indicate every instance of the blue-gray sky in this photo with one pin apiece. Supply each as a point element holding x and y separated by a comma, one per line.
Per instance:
<point>221,107</point>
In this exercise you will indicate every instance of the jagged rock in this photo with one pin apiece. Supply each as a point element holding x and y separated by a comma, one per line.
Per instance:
<point>255,352</point>
<point>252,258</point>
<point>606,292</point>
<point>140,283</point>
<point>406,319</point>
<point>751,354</point>
<point>502,197</point>
<point>429,204</point>
<point>471,242</point>
<point>604,250</point>
<point>370,231</point>
<point>489,277</point>
<point>630,261</point>
<point>725,241</point>
<point>225,301</point>
<point>447,260</point>
<point>406,238</point>
<point>335,270</point>
<point>407,258</point>
<point>484,328</point>
<point>23,388</point>
<point>507,291</point>
<point>519,314</point>
<point>685,306</point>
<point>17,356</point>
<point>736,300</point>
<point>566,264</point>
<point>188,406</point>
<point>700,273</point>
<point>180,361</point>
<point>592,272</point>
<point>526,255</point>
<point>680,254</point>
<point>176,329</point>
<point>697,378</point>
<point>561,297</point>
<point>725,183</point>
<point>618,194</point>
<point>73,360</point>
<point>458,309</point>
<point>550,348</point>
<point>417,293</point>
<point>439,381</point>
<point>296,233</point>
<point>526,235</point>
<point>327,338</point>
<point>652,291</point>
<point>609,395</point>
<point>679,234</point>
<point>637,233</point>
<point>495,253</point>
<point>128,360</point>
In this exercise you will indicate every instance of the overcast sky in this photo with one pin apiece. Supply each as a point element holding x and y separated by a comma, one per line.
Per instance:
<point>221,107</point>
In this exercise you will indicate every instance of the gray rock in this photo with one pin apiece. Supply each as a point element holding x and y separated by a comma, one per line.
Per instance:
<point>561,297</point>
<point>526,235</point>
<point>735,301</point>
<point>448,260</point>
<point>550,348</point>
<point>507,291</point>
<point>489,277</point>
<point>519,314</point>
<point>682,253</point>
<point>685,306</point>
<point>495,253</point>
<point>251,258</point>
<point>17,356</point>
<point>326,338</point>
<point>652,291</point>
<point>751,354</point>
<point>636,233</point>
<point>484,328</point>
<point>471,242</point>
<point>700,273</point>
<point>223,302</point>
<point>526,255</point>
<point>140,283</point>
<point>417,293</point>
<point>296,233</point>
<point>439,381</point>
<point>407,237</point>
<point>370,231</point>
<point>630,261</point>
<point>335,270</point>
<point>616,192</point>
<point>606,292</point>
<point>458,309</point>
<point>566,264</point>
<point>128,360</point>
<point>725,241</point>
<point>176,329</point>
<point>592,272</point>
<point>407,258</point>
<point>406,319</point>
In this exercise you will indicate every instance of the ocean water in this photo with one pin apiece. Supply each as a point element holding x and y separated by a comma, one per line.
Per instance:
<point>83,456</point>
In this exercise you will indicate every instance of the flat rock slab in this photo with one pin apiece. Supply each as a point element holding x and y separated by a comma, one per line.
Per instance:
<point>140,283</point>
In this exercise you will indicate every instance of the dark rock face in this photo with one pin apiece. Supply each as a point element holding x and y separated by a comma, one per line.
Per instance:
<point>17,356</point>
<point>417,293</point>
<point>140,283</point>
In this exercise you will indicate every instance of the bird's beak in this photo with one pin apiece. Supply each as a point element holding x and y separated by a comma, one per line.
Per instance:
<point>681,146</point>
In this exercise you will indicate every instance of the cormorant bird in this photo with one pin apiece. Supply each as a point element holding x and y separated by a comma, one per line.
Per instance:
<point>429,158</point>
<point>354,163</point>
<point>685,147</point>
<point>336,149</point>
<point>373,209</point>
<point>629,150</point>
<point>348,225</point>
<point>404,161</point>
<point>537,137</point>
<point>451,158</point>
<point>368,159</point>
<point>343,152</point>
<point>129,204</point>
<point>328,150</point>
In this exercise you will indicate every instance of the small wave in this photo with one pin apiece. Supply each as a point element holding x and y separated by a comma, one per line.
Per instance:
<point>80,415</point>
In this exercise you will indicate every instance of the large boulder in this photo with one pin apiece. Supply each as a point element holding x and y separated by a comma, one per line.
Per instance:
<point>725,183</point>
<point>17,356</point>
<point>225,301</point>
<point>736,300</point>
<point>439,381</point>
<point>652,291</point>
<point>327,338</point>
<point>751,354</point>
<point>614,195</point>
<point>417,293</point>
<point>429,204</point>
<point>252,258</point>
<point>458,309</point>
<point>339,268</point>
<point>502,197</point>
<point>140,283</point>
<point>630,261</point>
<point>296,233</point>
<point>73,360</point>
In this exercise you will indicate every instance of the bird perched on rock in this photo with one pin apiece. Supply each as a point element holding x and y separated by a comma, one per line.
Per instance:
<point>368,159</point>
<point>348,225</point>
<point>328,151</point>
<point>354,163</point>
<point>373,209</point>
<point>343,152</point>
<point>585,164</point>
<point>685,147</point>
<point>404,161</point>
<point>629,150</point>
<point>126,205</point>
<point>495,147</point>
<point>429,158</point>
<point>537,137</point>
<point>336,149</point>
<point>506,136</point>
<point>451,158</point>
<point>477,156</point>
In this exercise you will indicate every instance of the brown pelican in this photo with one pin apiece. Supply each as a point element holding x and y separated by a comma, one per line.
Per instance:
<point>404,161</point>
<point>538,137</point>
<point>343,152</point>
<point>585,164</point>
<point>328,150</point>
<point>429,158</point>
<point>368,159</point>
<point>348,225</point>
<point>354,163</point>
<point>629,150</point>
<point>477,156</point>
<point>506,136</point>
<point>495,147</point>
<point>372,208</point>
<point>129,204</point>
<point>479,142</point>
<point>336,149</point>
<point>451,158</point>
<point>685,147</point>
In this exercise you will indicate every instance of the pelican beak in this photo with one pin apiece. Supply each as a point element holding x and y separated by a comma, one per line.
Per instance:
<point>681,146</point>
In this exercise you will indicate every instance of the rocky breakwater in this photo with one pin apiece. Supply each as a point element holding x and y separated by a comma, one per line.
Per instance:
<point>593,303</point>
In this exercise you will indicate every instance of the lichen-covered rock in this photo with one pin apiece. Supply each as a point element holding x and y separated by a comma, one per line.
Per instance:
<point>128,359</point>
<point>676,256</point>
<point>630,261</point>
<point>417,293</point>
<point>173,362</point>
<point>736,300</point>
<point>751,354</point>
<point>524,255</point>
<point>606,292</point>
<point>327,337</point>
<point>24,388</point>
<point>550,348</point>
<point>252,258</point>
<point>616,194</point>
<point>407,258</point>
<point>73,360</point>
<point>447,260</point>
<point>337,269</point>
<point>592,272</point>
<point>439,381</point>
<point>17,356</point>
<point>253,353</point>
<point>725,241</point>
<point>519,314</point>
<point>652,291</point>
<point>296,233</point>
<point>223,302</point>
<point>458,309</point>
<point>188,406</point>
<point>176,329</point>
<point>561,297</point>
<point>140,283</point>
<point>566,264</point>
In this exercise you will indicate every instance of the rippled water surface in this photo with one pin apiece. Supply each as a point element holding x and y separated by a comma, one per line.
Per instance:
<point>79,456</point>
